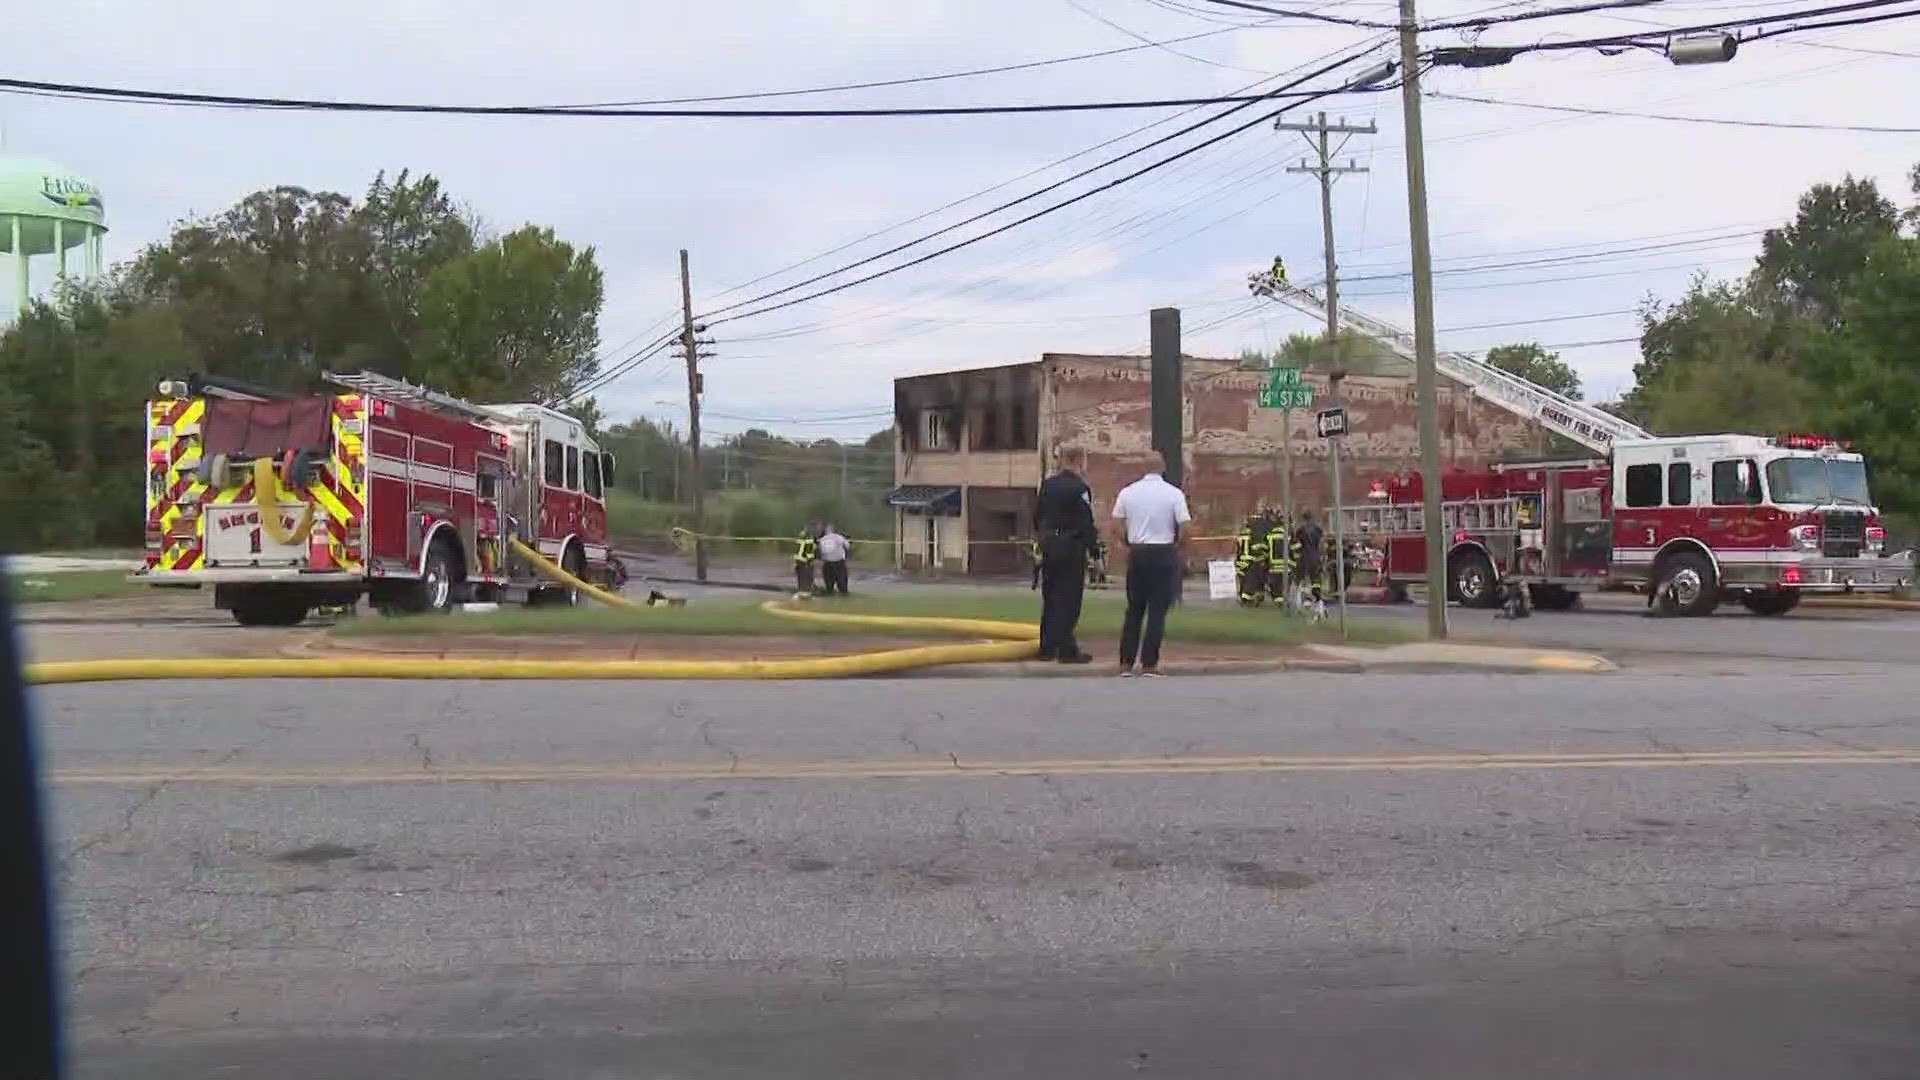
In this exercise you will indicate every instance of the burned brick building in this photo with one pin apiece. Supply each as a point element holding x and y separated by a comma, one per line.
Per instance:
<point>974,446</point>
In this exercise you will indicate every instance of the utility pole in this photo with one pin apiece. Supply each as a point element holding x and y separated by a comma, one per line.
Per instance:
<point>1326,170</point>
<point>843,477</point>
<point>1426,378</point>
<point>691,346</point>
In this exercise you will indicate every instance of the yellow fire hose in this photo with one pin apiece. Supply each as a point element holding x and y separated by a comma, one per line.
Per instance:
<point>1015,641</point>
<point>266,492</point>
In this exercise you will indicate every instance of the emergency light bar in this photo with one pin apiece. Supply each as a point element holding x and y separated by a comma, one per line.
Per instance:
<point>1801,440</point>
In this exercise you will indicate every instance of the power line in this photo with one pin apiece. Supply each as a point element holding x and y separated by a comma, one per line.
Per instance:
<point>1484,55</point>
<point>1536,322</point>
<point>1566,260</point>
<point>1042,212</point>
<point>913,79</point>
<point>242,101</point>
<point>1475,22</point>
<point>633,360</point>
<point>1161,45</point>
<point>1217,117</point>
<point>1723,121</point>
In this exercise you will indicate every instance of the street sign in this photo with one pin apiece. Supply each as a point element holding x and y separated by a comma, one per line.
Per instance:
<point>1286,397</point>
<point>1283,376</point>
<point>1330,422</point>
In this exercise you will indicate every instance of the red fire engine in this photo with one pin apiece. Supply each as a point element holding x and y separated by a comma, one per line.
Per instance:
<point>383,489</point>
<point>1695,519</point>
<point>1699,518</point>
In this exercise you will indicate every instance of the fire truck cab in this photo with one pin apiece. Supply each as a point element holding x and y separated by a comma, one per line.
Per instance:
<point>382,489</point>
<point>1694,519</point>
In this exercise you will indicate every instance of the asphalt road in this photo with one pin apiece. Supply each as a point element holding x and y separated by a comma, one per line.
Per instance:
<point>1453,876</point>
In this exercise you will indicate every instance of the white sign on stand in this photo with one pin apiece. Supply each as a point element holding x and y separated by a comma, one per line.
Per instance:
<point>1222,584</point>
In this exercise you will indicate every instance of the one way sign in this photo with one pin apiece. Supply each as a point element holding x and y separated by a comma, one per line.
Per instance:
<point>1330,422</point>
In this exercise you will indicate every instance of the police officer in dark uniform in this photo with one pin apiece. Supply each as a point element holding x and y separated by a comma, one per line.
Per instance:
<point>1067,533</point>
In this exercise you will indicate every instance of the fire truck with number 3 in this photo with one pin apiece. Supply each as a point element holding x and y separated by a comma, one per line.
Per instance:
<point>380,488</point>
<point>1693,520</point>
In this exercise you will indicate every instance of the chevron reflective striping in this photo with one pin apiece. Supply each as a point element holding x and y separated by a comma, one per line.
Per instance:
<point>342,493</point>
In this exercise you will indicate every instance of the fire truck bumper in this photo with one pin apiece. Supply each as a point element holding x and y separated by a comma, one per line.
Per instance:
<point>244,575</point>
<point>1818,575</point>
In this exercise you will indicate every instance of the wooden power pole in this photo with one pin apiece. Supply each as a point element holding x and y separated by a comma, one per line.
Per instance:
<point>1326,170</point>
<point>690,345</point>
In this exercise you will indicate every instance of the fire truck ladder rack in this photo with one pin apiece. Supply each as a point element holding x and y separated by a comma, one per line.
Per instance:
<point>368,382</point>
<point>1590,426</point>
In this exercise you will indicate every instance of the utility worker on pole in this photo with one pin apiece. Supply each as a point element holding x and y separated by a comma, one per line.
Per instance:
<point>1250,559</point>
<point>805,554</point>
<point>1279,561</point>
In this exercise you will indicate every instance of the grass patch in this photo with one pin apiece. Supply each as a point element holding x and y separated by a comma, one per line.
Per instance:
<point>73,585</point>
<point>1100,618</point>
<point>1102,613</point>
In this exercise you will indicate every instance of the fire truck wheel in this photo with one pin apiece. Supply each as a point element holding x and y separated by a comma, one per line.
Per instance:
<point>269,607</point>
<point>1771,603</point>
<point>1689,578</point>
<point>435,590</point>
<point>1470,579</point>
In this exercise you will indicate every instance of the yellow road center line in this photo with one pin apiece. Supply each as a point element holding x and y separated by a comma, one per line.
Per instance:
<point>658,771</point>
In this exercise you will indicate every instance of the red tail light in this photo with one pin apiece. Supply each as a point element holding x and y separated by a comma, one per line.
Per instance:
<point>1790,576</point>
<point>1876,539</point>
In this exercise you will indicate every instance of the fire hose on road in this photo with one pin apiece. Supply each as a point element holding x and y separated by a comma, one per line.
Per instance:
<point>1012,641</point>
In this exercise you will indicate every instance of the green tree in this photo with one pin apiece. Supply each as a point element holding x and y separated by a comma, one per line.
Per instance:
<point>518,317</point>
<point>1869,370</point>
<point>1358,354</point>
<point>1721,359</point>
<point>1534,363</point>
<point>1806,265</point>
<point>73,374</point>
<point>405,230</point>
<point>269,290</point>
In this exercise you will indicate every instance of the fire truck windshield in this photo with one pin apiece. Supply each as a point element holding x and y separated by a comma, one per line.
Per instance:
<point>1818,480</point>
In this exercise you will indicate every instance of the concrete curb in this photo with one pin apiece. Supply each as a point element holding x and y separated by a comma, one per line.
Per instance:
<point>1862,603</point>
<point>1435,656</point>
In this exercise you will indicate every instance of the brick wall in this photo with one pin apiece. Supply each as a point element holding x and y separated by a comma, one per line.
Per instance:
<point>1233,447</point>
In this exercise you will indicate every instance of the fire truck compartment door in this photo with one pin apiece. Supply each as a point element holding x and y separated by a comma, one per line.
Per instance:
<point>236,538</point>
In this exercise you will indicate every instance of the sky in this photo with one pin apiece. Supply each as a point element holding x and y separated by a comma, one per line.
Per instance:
<point>1602,213</point>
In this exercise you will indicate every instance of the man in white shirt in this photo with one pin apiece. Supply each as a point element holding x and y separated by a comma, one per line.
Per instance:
<point>833,561</point>
<point>1153,511</point>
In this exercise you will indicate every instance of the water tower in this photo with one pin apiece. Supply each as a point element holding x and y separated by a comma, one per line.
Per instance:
<point>46,210</point>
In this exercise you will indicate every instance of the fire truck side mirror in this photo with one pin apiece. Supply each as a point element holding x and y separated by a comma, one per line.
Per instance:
<point>606,467</point>
<point>1750,481</point>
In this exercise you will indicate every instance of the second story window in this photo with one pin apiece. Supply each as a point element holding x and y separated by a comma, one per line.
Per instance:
<point>935,433</point>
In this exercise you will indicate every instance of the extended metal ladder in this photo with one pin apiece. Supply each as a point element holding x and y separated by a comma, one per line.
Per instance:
<point>1588,425</point>
<point>392,389</point>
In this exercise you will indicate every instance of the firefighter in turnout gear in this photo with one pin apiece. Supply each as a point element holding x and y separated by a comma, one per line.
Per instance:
<point>805,554</point>
<point>1279,561</point>
<point>1309,560</point>
<point>1250,559</point>
<point>1033,554</point>
<point>1097,565</point>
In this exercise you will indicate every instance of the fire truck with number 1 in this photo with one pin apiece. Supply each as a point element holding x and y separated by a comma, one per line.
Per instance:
<point>380,488</point>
